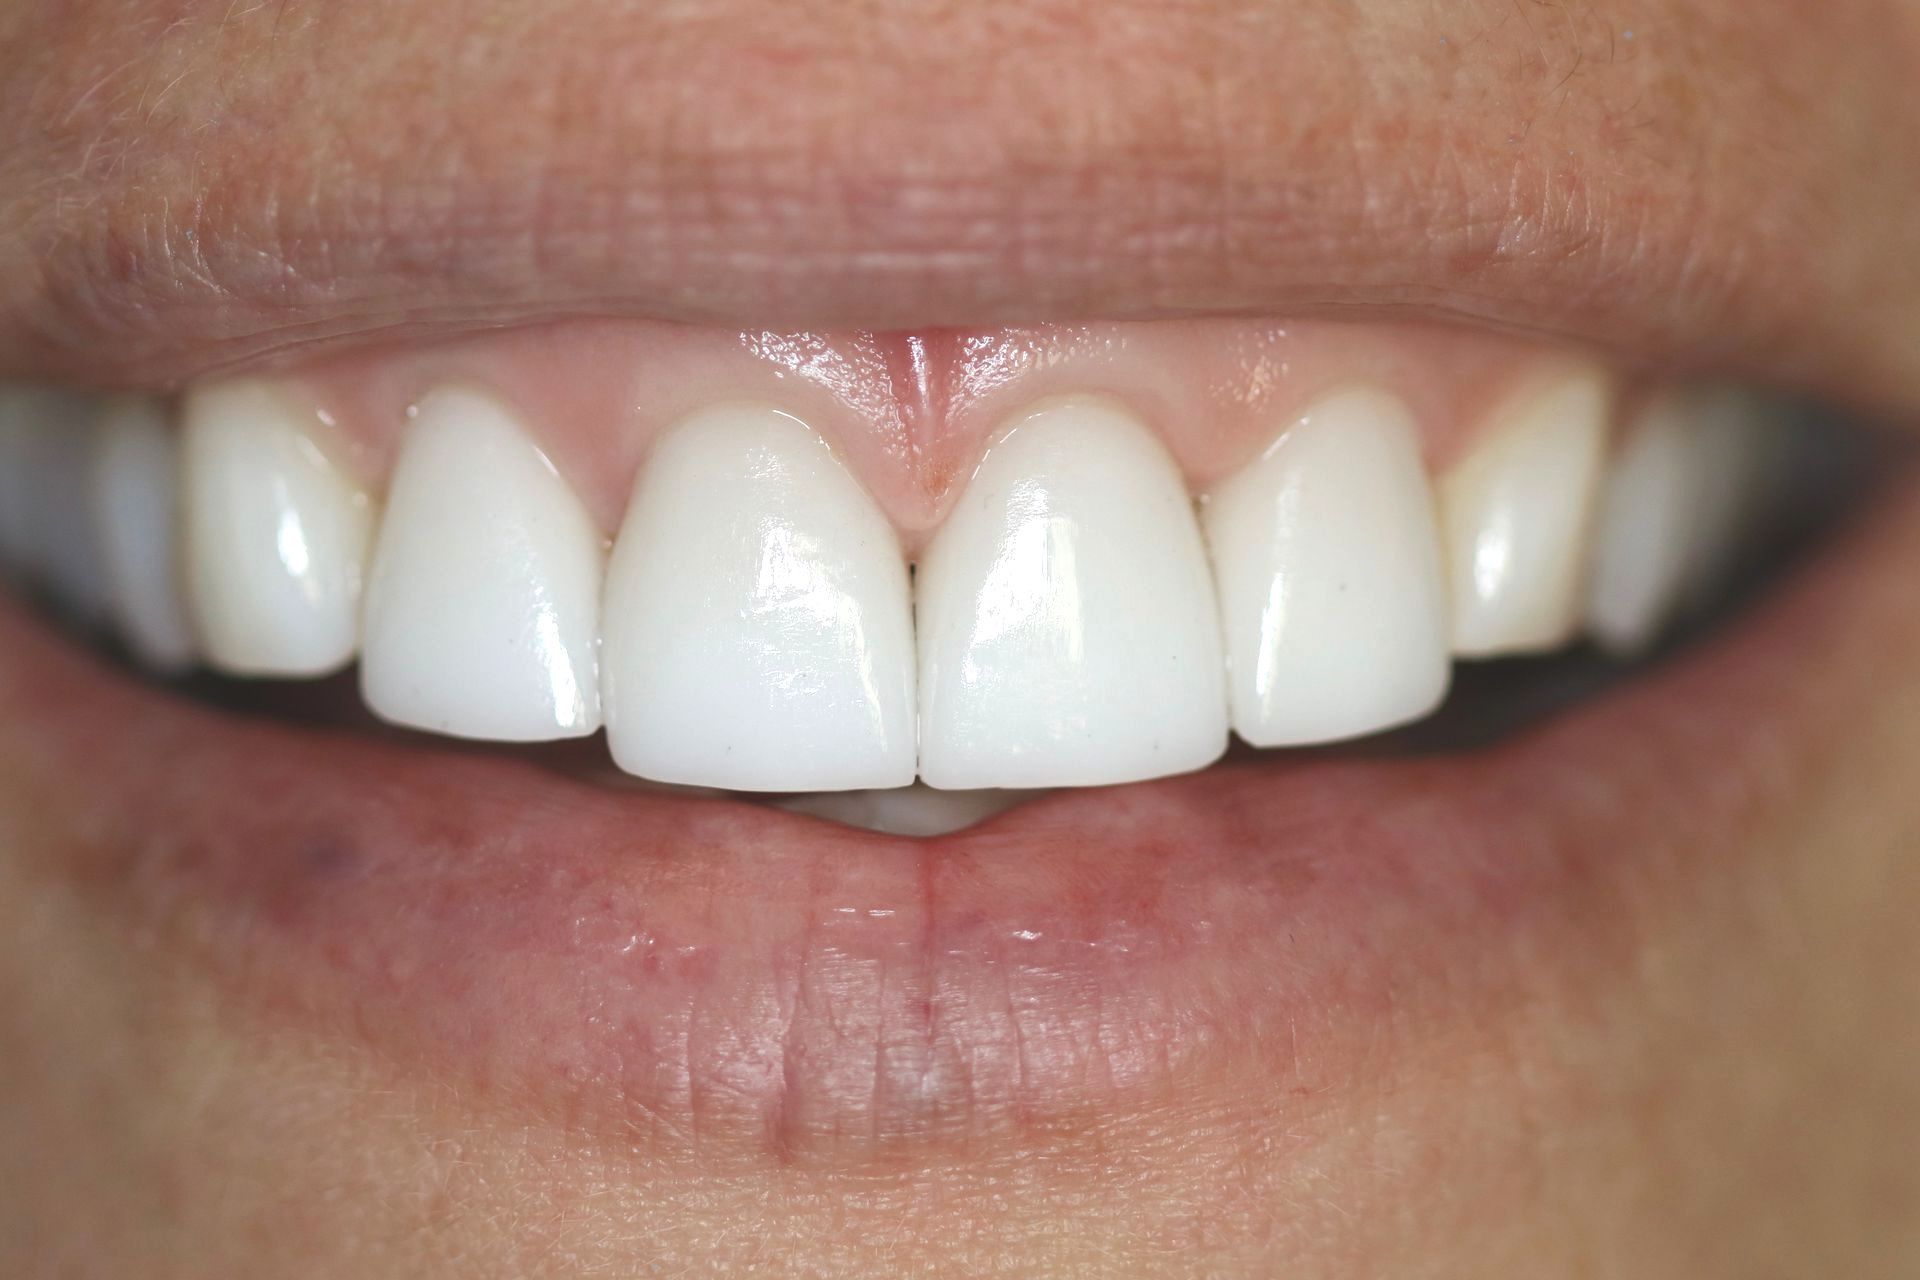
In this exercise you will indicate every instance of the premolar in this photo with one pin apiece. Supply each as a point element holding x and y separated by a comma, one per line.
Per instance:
<point>483,609</point>
<point>1067,626</point>
<point>759,628</point>
<point>136,495</point>
<point>276,531</point>
<point>1332,590</point>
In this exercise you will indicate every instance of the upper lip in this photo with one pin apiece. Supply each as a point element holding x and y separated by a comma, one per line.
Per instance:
<point>1244,162</point>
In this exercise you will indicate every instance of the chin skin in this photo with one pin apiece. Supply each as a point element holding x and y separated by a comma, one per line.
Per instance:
<point>1719,1077</point>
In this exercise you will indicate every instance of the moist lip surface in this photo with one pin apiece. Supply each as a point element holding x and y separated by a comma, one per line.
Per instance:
<point>703,974</point>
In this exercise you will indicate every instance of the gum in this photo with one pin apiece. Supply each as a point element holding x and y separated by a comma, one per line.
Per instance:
<point>911,414</point>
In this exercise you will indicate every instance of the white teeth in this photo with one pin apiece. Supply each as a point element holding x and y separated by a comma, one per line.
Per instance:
<point>759,629</point>
<point>484,601</point>
<point>1067,626</point>
<point>755,627</point>
<point>908,811</point>
<point>135,501</point>
<point>276,535</point>
<point>1515,514</point>
<point>1332,590</point>
<point>1645,529</point>
<point>1681,503</point>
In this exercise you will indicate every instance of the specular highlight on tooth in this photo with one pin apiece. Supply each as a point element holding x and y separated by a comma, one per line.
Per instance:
<point>135,510</point>
<point>759,629</point>
<point>483,605</point>
<point>1333,593</point>
<point>1517,515</point>
<point>1067,624</point>
<point>277,534</point>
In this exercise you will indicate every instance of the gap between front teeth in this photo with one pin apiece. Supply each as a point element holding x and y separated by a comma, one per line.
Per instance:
<point>1078,620</point>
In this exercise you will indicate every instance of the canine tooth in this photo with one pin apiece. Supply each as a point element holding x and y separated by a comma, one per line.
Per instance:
<point>1333,593</point>
<point>759,626</point>
<point>1068,629</point>
<point>1516,514</point>
<point>136,494</point>
<point>483,605</point>
<point>276,534</point>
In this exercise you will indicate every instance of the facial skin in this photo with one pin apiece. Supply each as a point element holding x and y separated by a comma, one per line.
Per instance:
<point>1721,1079</point>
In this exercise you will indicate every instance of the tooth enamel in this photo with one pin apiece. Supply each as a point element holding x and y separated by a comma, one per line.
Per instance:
<point>1515,517</point>
<point>1067,625</point>
<point>1332,588</point>
<point>276,535</point>
<point>483,605</point>
<point>759,627</point>
<point>135,501</point>
<point>1645,530</point>
<point>918,811</point>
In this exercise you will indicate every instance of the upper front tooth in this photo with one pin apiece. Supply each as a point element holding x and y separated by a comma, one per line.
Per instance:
<point>1332,590</point>
<point>1068,630</point>
<point>483,608</point>
<point>135,500</point>
<point>759,629</point>
<point>276,534</point>
<point>1516,514</point>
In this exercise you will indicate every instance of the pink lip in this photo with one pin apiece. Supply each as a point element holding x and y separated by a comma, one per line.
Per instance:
<point>684,971</point>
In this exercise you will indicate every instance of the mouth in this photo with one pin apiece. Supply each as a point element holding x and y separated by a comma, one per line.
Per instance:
<point>886,629</point>
<point>809,745</point>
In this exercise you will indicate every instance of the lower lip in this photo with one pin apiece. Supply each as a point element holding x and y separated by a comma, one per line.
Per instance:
<point>703,970</point>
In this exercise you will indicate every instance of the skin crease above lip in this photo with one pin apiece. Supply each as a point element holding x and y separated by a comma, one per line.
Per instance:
<point>204,183</point>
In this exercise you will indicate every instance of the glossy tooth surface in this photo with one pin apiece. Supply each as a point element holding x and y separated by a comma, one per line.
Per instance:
<point>1067,624</point>
<point>759,628</point>
<point>276,534</point>
<point>1516,514</point>
<point>483,606</point>
<point>136,491</point>
<point>1333,593</point>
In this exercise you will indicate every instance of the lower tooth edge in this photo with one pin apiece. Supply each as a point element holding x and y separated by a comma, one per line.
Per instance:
<point>908,811</point>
